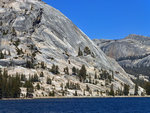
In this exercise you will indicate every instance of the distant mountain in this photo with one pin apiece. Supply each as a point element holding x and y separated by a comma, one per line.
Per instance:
<point>132,53</point>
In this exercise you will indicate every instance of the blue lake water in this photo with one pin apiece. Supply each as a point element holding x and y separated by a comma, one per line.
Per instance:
<point>84,105</point>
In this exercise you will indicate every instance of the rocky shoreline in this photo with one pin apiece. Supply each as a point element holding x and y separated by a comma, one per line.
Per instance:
<point>75,97</point>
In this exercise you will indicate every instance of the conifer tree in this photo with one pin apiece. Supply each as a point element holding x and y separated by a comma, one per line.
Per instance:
<point>38,86</point>
<point>95,75</point>
<point>55,69</point>
<point>66,70</point>
<point>43,65</point>
<point>82,73</point>
<point>49,81</point>
<point>126,89</point>
<point>29,64</point>
<point>112,90</point>
<point>76,93</point>
<point>41,74</point>
<point>1,55</point>
<point>136,89</point>
<point>30,89</point>
<point>80,52</point>
<point>9,86</point>
<point>147,88</point>
<point>74,71</point>
<point>87,50</point>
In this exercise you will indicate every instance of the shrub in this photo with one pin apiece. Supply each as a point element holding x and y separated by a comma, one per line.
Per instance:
<point>41,74</point>
<point>38,86</point>
<point>49,81</point>
<point>87,50</point>
<point>80,52</point>
<point>74,71</point>
<point>126,89</point>
<point>55,69</point>
<point>29,64</point>
<point>66,70</point>
<point>82,73</point>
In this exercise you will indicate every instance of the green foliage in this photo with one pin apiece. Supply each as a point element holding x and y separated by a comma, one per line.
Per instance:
<point>41,74</point>
<point>19,51</point>
<point>76,93</point>
<point>1,55</point>
<point>87,88</point>
<point>52,93</point>
<point>30,89</point>
<point>38,86</point>
<point>82,73</point>
<point>23,78</point>
<point>112,90</point>
<point>49,81</point>
<point>126,89</point>
<point>34,78</point>
<point>95,75</point>
<point>63,93</point>
<point>13,31</point>
<point>72,86</point>
<point>29,64</point>
<point>106,76</point>
<point>17,42</point>
<point>87,50</point>
<point>43,65</point>
<point>9,86</point>
<point>5,32</point>
<point>66,70</point>
<point>55,69</point>
<point>119,92</point>
<point>147,88</point>
<point>74,71</point>
<point>80,52</point>
<point>136,90</point>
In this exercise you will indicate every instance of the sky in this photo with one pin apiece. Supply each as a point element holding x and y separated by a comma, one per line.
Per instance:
<point>107,19</point>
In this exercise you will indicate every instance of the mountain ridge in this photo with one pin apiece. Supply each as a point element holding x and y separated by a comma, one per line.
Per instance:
<point>131,52</point>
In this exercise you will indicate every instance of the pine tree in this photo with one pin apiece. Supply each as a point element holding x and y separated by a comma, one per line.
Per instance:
<point>87,50</point>
<point>87,88</point>
<point>147,88</point>
<point>76,93</point>
<point>49,81</point>
<point>9,86</point>
<point>43,65</point>
<point>29,64</point>
<point>82,73</point>
<point>74,71</point>
<point>52,93</point>
<point>38,86</point>
<point>35,78</point>
<point>136,89</point>
<point>55,69</point>
<point>80,52</point>
<point>23,78</point>
<point>0,85</point>
<point>112,90</point>
<point>95,75</point>
<point>126,89</point>
<point>66,70</point>
<point>41,74</point>
<point>30,89</point>
<point>1,55</point>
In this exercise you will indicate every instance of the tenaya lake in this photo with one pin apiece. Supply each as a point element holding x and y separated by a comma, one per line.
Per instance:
<point>77,105</point>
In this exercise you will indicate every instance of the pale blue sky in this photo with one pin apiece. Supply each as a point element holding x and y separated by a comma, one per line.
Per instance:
<point>107,19</point>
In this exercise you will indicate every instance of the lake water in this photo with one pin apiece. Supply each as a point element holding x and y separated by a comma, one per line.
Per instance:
<point>84,105</point>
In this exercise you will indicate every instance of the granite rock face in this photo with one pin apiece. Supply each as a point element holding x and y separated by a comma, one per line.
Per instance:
<point>31,30</point>
<point>132,53</point>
